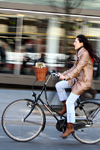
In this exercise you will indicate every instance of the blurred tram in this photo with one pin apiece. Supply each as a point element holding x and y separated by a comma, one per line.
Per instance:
<point>26,36</point>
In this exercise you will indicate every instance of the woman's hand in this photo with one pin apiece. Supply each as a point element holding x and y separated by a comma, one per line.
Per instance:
<point>61,76</point>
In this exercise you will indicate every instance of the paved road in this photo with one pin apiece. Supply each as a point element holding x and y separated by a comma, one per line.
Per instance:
<point>48,139</point>
<point>9,95</point>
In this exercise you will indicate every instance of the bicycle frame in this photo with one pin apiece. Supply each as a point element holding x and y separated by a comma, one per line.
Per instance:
<point>48,107</point>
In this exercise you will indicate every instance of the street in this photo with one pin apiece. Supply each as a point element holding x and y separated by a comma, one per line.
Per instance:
<point>48,139</point>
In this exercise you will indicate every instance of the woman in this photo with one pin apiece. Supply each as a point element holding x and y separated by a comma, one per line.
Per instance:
<point>79,78</point>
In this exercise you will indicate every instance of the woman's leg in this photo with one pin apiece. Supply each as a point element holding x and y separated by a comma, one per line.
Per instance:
<point>60,87</point>
<point>63,111</point>
<point>70,113</point>
<point>71,107</point>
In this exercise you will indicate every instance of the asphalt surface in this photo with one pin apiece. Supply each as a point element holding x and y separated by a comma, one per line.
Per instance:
<point>9,95</point>
<point>50,137</point>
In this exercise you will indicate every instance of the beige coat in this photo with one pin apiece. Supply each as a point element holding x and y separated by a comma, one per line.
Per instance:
<point>80,76</point>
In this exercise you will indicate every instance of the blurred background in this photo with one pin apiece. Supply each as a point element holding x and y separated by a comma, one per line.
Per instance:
<point>31,30</point>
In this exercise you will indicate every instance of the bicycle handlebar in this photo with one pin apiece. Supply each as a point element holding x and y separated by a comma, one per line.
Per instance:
<point>54,73</point>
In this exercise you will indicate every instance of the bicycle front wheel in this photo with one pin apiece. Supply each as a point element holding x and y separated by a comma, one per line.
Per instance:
<point>88,113</point>
<point>13,120</point>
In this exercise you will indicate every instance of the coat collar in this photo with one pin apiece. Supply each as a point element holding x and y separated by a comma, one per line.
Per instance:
<point>79,48</point>
<point>79,52</point>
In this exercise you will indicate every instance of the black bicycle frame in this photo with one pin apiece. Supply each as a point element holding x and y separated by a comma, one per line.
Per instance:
<point>49,107</point>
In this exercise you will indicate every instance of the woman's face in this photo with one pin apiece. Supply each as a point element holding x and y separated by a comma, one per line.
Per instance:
<point>77,44</point>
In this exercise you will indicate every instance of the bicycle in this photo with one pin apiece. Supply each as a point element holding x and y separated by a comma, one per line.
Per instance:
<point>28,118</point>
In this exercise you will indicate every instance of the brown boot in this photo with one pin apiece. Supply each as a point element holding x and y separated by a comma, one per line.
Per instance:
<point>63,111</point>
<point>69,130</point>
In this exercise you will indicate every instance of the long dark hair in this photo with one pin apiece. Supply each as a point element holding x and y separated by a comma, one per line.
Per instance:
<point>88,47</point>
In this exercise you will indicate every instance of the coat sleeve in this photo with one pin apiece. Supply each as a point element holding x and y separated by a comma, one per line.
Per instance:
<point>82,62</point>
<point>69,70</point>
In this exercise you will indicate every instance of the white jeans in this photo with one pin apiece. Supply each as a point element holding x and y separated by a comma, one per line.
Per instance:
<point>70,100</point>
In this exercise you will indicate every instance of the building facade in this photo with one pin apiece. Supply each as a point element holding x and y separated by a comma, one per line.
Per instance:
<point>30,29</point>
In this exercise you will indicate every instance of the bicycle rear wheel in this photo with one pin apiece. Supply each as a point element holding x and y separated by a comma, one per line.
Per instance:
<point>13,120</point>
<point>90,133</point>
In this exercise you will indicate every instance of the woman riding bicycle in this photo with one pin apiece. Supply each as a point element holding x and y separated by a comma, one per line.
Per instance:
<point>79,78</point>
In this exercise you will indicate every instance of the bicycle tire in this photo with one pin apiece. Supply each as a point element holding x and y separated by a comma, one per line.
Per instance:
<point>15,127</point>
<point>90,134</point>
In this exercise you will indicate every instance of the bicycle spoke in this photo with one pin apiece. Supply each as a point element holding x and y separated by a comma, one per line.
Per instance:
<point>88,134</point>
<point>33,122</point>
<point>13,120</point>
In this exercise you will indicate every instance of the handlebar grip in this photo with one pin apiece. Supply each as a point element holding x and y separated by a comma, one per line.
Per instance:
<point>57,75</point>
